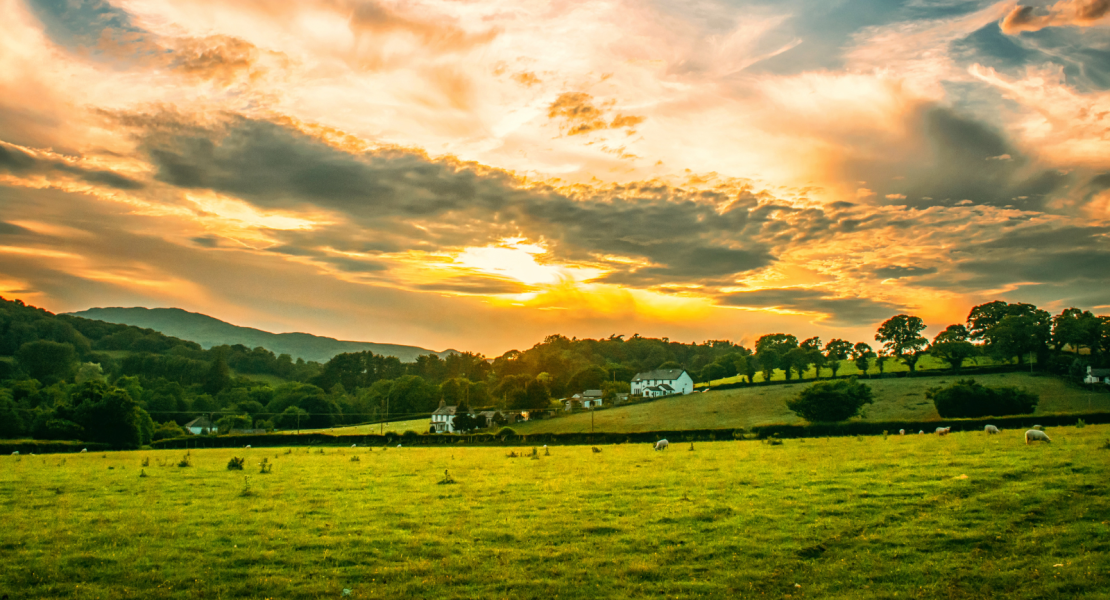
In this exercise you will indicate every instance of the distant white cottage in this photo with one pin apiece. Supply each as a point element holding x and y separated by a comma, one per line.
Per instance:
<point>662,382</point>
<point>588,400</point>
<point>200,425</point>
<point>1097,376</point>
<point>443,419</point>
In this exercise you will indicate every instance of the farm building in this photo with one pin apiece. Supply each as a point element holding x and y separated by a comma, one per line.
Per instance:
<point>588,399</point>
<point>662,382</point>
<point>1097,376</point>
<point>200,425</point>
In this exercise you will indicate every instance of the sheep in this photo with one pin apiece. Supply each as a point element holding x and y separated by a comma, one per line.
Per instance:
<point>84,450</point>
<point>990,429</point>
<point>901,432</point>
<point>921,432</point>
<point>247,446</point>
<point>943,430</point>
<point>662,445</point>
<point>16,453</point>
<point>354,445</point>
<point>1036,435</point>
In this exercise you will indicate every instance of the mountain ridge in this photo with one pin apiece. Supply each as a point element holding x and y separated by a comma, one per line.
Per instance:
<point>209,331</point>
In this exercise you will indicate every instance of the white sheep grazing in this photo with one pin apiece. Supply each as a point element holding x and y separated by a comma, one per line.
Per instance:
<point>662,445</point>
<point>1036,435</point>
<point>921,432</point>
<point>990,429</point>
<point>943,430</point>
<point>16,453</point>
<point>353,445</point>
<point>247,446</point>
<point>901,432</point>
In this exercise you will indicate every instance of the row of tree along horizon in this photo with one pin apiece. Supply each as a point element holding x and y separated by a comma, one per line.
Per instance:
<point>75,378</point>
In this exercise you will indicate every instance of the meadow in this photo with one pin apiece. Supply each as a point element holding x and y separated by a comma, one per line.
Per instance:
<point>962,516</point>
<point>895,399</point>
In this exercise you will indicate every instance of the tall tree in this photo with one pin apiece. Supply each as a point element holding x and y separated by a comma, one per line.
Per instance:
<point>835,351</point>
<point>953,347</point>
<point>814,356</point>
<point>770,350</point>
<point>1075,328</point>
<point>901,337</point>
<point>861,355</point>
<point>1010,330</point>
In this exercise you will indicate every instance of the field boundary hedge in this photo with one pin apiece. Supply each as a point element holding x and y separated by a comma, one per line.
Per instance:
<point>684,435</point>
<point>50,446</point>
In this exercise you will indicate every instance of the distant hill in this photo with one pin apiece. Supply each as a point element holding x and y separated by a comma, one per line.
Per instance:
<point>208,332</point>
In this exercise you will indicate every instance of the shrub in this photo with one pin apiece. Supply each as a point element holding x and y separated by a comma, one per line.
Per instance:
<point>409,434</point>
<point>829,401</point>
<point>235,464</point>
<point>167,430</point>
<point>506,431</point>
<point>967,398</point>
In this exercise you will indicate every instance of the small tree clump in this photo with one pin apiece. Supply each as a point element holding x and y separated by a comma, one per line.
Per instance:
<point>830,401</point>
<point>235,464</point>
<point>967,398</point>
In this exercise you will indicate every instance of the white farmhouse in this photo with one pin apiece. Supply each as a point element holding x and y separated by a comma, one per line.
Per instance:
<point>662,382</point>
<point>1097,376</point>
<point>443,419</point>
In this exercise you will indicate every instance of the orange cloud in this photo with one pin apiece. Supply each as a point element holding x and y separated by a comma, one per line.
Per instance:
<point>1079,13</point>
<point>580,115</point>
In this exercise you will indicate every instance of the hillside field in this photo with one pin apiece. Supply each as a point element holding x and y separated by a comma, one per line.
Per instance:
<point>895,399</point>
<point>963,516</point>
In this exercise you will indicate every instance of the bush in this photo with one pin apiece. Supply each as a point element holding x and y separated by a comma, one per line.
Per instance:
<point>167,430</point>
<point>409,434</point>
<point>829,401</point>
<point>235,464</point>
<point>506,431</point>
<point>967,398</point>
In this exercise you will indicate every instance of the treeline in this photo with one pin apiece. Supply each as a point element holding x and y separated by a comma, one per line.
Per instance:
<point>65,377</point>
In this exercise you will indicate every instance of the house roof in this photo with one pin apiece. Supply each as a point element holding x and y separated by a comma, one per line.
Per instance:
<point>200,422</point>
<point>1099,372</point>
<point>664,374</point>
<point>591,394</point>
<point>445,410</point>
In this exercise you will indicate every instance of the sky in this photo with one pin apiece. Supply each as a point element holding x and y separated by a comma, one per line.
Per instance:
<point>479,175</point>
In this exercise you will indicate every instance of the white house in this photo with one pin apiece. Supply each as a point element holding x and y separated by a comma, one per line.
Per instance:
<point>200,425</point>
<point>662,382</point>
<point>443,419</point>
<point>1097,376</point>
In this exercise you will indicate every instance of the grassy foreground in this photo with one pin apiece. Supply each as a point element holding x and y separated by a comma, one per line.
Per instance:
<point>895,399</point>
<point>964,516</point>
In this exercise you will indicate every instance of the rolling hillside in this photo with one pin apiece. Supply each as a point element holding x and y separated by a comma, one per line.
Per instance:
<point>208,332</point>
<point>895,399</point>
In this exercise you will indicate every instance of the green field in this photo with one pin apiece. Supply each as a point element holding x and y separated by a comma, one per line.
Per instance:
<point>895,399</point>
<point>963,516</point>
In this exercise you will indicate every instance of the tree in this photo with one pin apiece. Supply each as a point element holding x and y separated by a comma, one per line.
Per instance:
<point>226,424</point>
<point>712,372</point>
<point>167,430</point>
<point>951,346</point>
<point>901,337</point>
<point>796,359</point>
<point>1010,330</point>
<point>218,376</point>
<point>47,361</point>
<point>861,353</point>
<point>770,350</point>
<point>836,351</point>
<point>828,401</point>
<point>534,395</point>
<point>1076,328</point>
<point>588,378</point>
<point>464,421</point>
<point>108,414</point>
<point>812,348</point>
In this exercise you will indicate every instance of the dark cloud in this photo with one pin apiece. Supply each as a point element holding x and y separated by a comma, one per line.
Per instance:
<point>18,162</point>
<point>688,236</point>
<point>355,265</point>
<point>970,160</point>
<point>477,285</point>
<point>900,272</point>
<point>206,241</point>
<point>86,24</point>
<point>840,311</point>
<point>12,229</point>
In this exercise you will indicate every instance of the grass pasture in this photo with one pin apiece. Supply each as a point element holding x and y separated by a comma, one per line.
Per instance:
<point>963,516</point>
<point>895,399</point>
<point>417,425</point>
